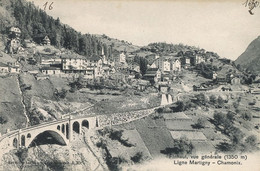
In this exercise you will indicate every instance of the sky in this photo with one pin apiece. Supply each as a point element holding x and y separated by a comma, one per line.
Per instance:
<point>225,27</point>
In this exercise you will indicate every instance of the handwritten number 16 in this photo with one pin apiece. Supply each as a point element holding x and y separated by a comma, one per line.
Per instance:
<point>50,6</point>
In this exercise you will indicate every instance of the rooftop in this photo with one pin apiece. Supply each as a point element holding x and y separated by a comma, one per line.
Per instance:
<point>50,68</point>
<point>3,64</point>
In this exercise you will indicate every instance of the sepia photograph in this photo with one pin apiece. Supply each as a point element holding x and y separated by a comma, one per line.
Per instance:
<point>129,85</point>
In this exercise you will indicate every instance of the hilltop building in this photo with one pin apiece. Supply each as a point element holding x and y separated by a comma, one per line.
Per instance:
<point>121,58</point>
<point>153,75</point>
<point>9,67</point>
<point>167,64</point>
<point>4,68</point>
<point>46,40</point>
<point>51,70</point>
<point>14,32</point>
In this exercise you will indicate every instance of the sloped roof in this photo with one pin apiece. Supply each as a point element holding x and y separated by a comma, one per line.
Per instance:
<point>151,72</point>
<point>3,64</point>
<point>50,68</point>
<point>94,57</point>
<point>72,56</point>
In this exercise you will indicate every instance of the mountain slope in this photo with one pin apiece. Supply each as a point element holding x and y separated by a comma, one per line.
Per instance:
<point>250,59</point>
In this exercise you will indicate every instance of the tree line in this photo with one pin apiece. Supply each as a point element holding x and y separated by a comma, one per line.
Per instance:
<point>35,24</point>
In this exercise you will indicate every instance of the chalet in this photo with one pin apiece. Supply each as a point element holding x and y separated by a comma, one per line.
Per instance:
<point>185,62</point>
<point>13,45</point>
<point>94,63</point>
<point>50,70</point>
<point>46,41</point>
<point>175,64</point>
<point>199,58</point>
<point>121,58</point>
<point>214,75</point>
<point>153,75</point>
<point>229,77</point>
<point>134,67</point>
<point>221,80</point>
<point>14,67</point>
<point>142,84</point>
<point>163,63</point>
<point>200,88</point>
<point>4,68</point>
<point>255,90</point>
<point>15,32</point>
<point>235,81</point>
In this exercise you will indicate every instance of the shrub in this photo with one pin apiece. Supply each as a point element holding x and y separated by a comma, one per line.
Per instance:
<point>251,140</point>
<point>230,116</point>
<point>137,157</point>
<point>201,99</point>
<point>181,147</point>
<point>220,101</point>
<point>47,50</point>
<point>114,162</point>
<point>219,118</point>
<point>117,135</point>
<point>25,87</point>
<point>60,95</point>
<point>246,116</point>
<point>101,144</point>
<point>212,99</point>
<point>201,122</point>
<point>235,104</point>
<point>3,119</point>
<point>236,135</point>
<point>22,154</point>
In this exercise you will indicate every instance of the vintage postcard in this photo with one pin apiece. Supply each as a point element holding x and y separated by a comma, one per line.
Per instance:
<point>129,85</point>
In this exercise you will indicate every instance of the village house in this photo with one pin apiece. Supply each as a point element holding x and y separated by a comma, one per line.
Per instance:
<point>51,70</point>
<point>153,75</point>
<point>185,62</point>
<point>14,67</point>
<point>214,75</point>
<point>167,64</point>
<point>235,81</point>
<point>130,58</point>
<point>175,64</point>
<point>200,88</point>
<point>9,67</point>
<point>51,61</point>
<point>4,68</point>
<point>121,58</point>
<point>46,41</point>
<point>94,65</point>
<point>221,80</point>
<point>13,45</point>
<point>15,32</point>
<point>134,67</point>
<point>73,64</point>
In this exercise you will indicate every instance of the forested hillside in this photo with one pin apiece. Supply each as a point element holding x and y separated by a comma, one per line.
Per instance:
<point>35,24</point>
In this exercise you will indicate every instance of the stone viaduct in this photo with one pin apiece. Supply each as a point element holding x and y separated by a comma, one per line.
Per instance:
<point>60,130</point>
